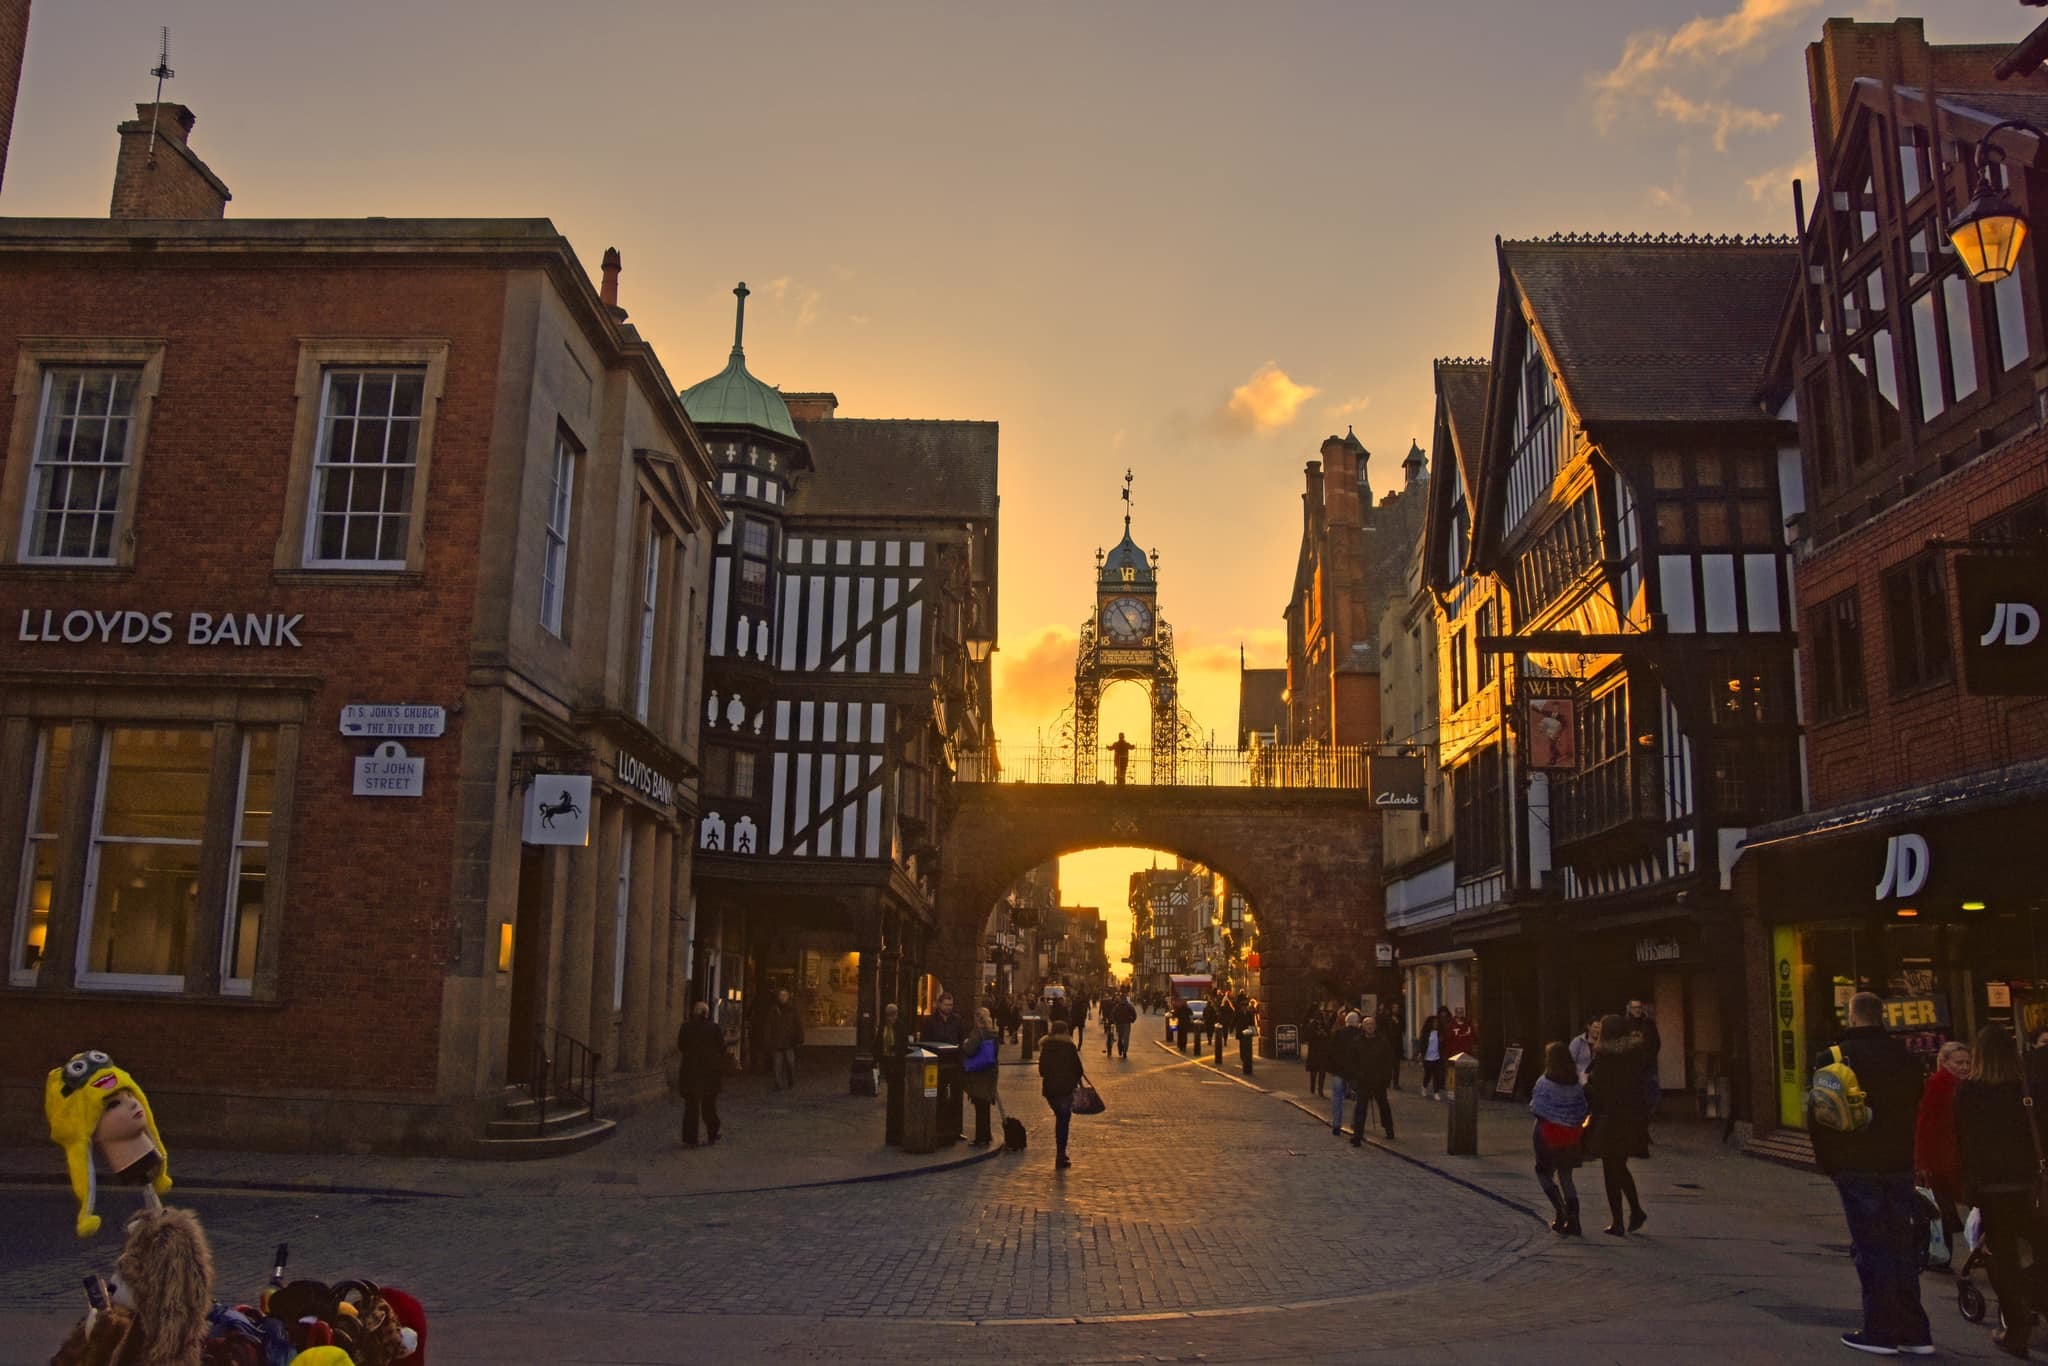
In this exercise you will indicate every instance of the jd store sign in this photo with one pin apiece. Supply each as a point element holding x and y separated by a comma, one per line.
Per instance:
<point>2004,600</point>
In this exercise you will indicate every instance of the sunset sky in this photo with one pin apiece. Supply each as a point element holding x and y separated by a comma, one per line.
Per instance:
<point>1189,239</point>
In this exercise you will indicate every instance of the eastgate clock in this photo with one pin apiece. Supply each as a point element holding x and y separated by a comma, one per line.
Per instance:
<point>1127,621</point>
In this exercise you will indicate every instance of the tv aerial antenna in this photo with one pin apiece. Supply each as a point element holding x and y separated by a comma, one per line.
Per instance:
<point>162,71</point>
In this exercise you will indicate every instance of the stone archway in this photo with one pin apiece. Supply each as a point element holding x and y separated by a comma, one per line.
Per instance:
<point>1308,858</point>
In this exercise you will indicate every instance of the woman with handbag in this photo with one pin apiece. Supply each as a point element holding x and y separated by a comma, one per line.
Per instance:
<point>1059,1071</point>
<point>980,1065</point>
<point>1559,1105</point>
<point>2002,1168</point>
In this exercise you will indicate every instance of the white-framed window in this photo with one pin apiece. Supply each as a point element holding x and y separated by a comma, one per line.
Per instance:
<point>39,853</point>
<point>141,902</point>
<point>365,457</point>
<point>554,566</point>
<point>248,861</point>
<point>621,914</point>
<point>650,599</point>
<point>84,434</point>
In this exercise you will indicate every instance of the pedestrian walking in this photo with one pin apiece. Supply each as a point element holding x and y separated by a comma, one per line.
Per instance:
<point>1395,1028</point>
<point>1614,1133</point>
<point>1059,1072</point>
<point>1220,1019</point>
<point>1999,1161</point>
<point>1584,1046</point>
<point>701,1073</point>
<point>1558,1102</point>
<point>1872,1168</point>
<point>1430,1046</point>
<point>1373,1072</point>
<point>1107,1020</point>
<point>980,1065</point>
<point>1126,1016</point>
<point>1935,1162</point>
<point>1183,1023</point>
<point>1315,1047</point>
<point>1642,1024</point>
<point>1458,1034</point>
<point>782,1033</point>
<point>1077,1015</point>
<point>1343,1049</point>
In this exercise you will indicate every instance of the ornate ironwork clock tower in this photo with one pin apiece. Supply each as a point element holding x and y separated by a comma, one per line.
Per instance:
<point>1125,639</point>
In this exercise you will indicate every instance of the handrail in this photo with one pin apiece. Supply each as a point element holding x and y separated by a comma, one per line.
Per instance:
<point>558,1066</point>
<point>1257,766</point>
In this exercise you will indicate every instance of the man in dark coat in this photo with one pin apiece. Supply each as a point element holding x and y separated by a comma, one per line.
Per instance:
<point>1873,1170</point>
<point>1124,1015</point>
<point>782,1033</point>
<point>702,1071</point>
<point>1343,1049</point>
<point>1183,1023</point>
<point>1220,1019</point>
<point>1373,1072</point>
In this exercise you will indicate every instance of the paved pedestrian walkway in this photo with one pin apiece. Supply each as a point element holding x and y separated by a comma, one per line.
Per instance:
<point>813,1134</point>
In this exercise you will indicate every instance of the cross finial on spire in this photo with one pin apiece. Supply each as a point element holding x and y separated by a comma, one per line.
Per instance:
<point>739,322</point>
<point>1127,502</point>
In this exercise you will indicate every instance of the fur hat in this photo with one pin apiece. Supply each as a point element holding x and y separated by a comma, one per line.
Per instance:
<point>166,1273</point>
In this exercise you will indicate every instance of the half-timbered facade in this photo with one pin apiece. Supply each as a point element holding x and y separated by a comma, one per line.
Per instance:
<point>1916,871</point>
<point>1630,504</point>
<point>859,560</point>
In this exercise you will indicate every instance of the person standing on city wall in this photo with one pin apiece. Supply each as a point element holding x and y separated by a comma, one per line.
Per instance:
<point>1872,1168</point>
<point>980,1064</point>
<point>1373,1071</point>
<point>1343,1049</point>
<point>782,1034</point>
<point>701,1073</point>
<point>1559,1104</point>
<point>1431,1046</point>
<point>1934,1138</point>
<point>1059,1072</point>
<point>1999,1163</point>
<point>1614,1100</point>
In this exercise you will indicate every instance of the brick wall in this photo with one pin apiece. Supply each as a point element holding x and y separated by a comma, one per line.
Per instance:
<point>365,928</point>
<point>13,43</point>
<point>1938,732</point>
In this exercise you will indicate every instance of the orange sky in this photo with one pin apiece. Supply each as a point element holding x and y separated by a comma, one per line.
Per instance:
<point>1190,238</point>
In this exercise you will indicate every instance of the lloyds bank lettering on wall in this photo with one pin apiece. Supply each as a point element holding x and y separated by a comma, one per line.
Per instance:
<point>80,626</point>
<point>644,780</point>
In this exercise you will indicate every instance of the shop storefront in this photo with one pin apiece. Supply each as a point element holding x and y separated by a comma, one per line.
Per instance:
<point>1942,917</point>
<point>1439,981</point>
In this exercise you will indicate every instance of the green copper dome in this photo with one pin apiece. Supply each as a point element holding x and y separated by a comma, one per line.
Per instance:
<point>734,398</point>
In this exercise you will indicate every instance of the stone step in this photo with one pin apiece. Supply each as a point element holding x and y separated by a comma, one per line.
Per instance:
<point>519,1119</point>
<point>1786,1147</point>
<point>556,1143</point>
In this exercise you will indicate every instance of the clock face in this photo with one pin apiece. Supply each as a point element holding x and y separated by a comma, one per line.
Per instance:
<point>1127,621</point>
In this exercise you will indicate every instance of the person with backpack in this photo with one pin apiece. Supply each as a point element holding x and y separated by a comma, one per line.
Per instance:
<point>1617,1112</point>
<point>1861,1109</point>
<point>1059,1073</point>
<point>2000,1162</point>
<point>1559,1104</point>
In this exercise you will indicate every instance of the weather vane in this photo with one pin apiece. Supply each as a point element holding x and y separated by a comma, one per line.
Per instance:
<point>1127,502</point>
<point>162,71</point>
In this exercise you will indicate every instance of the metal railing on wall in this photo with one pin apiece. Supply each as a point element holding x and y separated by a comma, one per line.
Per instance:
<point>1274,766</point>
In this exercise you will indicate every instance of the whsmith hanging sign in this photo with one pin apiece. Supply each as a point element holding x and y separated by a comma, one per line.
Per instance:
<point>269,630</point>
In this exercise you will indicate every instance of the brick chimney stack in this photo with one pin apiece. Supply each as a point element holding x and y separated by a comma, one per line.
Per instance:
<point>13,43</point>
<point>169,181</point>
<point>609,290</point>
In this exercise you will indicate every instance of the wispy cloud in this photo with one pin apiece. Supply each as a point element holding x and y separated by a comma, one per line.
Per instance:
<point>1034,679</point>
<point>1270,399</point>
<point>1350,407</point>
<point>1777,182</point>
<point>1654,62</point>
<point>1725,118</point>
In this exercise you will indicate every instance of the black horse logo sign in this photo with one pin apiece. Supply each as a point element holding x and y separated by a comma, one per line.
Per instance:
<point>563,805</point>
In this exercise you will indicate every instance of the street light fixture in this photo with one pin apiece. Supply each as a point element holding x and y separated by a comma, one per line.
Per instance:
<point>1990,231</point>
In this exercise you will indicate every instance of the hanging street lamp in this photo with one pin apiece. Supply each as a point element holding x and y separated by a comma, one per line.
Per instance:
<point>1988,234</point>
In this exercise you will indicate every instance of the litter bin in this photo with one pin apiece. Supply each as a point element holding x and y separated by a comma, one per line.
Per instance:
<point>917,1080</point>
<point>1033,1034</point>
<point>1463,1135</point>
<point>947,1058</point>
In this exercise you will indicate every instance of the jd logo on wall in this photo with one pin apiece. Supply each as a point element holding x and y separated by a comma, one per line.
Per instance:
<point>2004,599</point>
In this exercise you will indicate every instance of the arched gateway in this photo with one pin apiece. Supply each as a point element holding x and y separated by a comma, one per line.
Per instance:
<point>1308,858</point>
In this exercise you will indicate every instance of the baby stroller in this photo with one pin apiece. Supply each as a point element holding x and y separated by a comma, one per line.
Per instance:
<point>1970,1301</point>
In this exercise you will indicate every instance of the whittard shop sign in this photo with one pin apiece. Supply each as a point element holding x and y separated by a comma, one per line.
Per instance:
<point>272,630</point>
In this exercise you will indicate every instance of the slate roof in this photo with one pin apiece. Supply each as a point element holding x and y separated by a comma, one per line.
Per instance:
<point>1463,385</point>
<point>1649,331</point>
<point>1260,704</point>
<point>898,467</point>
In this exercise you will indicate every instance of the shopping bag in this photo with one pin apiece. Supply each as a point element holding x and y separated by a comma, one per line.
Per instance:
<point>1927,1215</point>
<point>1973,1229</point>
<point>1087,1100</point>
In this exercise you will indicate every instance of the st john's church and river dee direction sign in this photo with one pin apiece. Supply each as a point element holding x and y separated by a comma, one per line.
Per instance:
<point>393,721</point>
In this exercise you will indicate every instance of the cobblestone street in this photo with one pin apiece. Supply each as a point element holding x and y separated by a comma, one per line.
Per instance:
<point>1204,1218</point>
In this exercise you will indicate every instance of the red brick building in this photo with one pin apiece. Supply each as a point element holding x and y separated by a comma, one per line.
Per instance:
<point>1916,871</point>
<point>258,474</point>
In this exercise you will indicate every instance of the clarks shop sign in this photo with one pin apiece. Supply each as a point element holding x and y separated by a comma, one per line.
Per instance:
<point>262,630</point>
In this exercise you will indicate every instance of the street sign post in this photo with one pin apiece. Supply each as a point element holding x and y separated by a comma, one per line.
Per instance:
<point>391,772</point>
